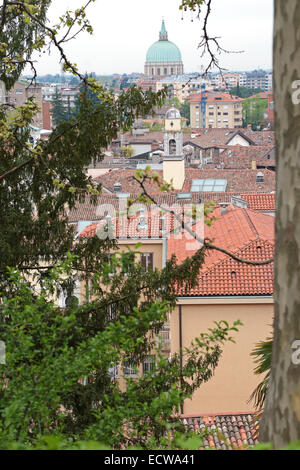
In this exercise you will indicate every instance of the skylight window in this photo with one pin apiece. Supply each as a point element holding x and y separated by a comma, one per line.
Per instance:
<point>209,185</point>
<point>182,196</point>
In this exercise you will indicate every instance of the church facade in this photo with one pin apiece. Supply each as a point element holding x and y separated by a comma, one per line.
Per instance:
<point>163,57</point>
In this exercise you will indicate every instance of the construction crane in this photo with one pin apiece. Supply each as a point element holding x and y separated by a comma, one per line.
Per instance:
<point>203,107</point>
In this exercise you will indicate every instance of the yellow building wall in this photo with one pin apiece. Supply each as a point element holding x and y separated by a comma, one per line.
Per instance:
<point>174,170</point>
<point>234,380</point>
<point>173,125</point>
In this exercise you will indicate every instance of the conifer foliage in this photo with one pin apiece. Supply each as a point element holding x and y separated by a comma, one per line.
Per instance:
<point>57,377</point>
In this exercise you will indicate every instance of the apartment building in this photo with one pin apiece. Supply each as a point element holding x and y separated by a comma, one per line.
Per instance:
<point>183,86</point>
<point>226,291</point>
<point>222,110</point>
<point>21,92</point>
<point>68,94</point>
<point>257,79</point>
<point>227,81</point>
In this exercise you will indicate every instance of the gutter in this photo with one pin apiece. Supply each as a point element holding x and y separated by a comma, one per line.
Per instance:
<point>180,349</point>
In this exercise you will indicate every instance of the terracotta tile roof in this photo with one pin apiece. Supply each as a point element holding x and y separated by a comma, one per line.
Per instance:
<point>130,227</point>
<point>238,180</point>
<point>87,210</point>
<point>243,232</point>
<point>261,137</point>
<point>261,202</point>
<point>153,137</point>
<point>241,157</point>
<point>208,138</point>
<point>125,178</point>
<point>216,97</point>
<point>224,431</point>
<point>231,278</point>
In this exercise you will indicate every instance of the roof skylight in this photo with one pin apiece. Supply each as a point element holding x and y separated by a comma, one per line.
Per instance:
<point>209,185</point>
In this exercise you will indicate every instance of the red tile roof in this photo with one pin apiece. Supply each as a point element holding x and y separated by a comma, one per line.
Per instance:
<point>243,232</point>
<point>261,137</point>
<point>216,98</point>
<point>241,157</point>
<point>225,431</point>
<point>238,180</point>
<point>125,178</point>
<point>128,227</point>
<point>261,202</point>
<point>214,137</point>
<point>86,210</point>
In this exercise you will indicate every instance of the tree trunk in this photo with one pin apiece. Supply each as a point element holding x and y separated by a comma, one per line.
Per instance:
<point>281,420</point>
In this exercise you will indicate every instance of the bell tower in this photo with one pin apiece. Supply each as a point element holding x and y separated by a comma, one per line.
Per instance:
<point>173,163</point>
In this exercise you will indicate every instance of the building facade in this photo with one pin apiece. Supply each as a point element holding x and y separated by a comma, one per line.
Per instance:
<point>182,86</point>
<point>21,92</point>
<point>221,111</point>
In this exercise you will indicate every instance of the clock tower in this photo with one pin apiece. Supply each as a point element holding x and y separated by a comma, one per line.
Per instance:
<point>173,163</point>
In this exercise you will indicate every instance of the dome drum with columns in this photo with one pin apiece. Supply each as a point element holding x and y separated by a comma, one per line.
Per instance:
<point>163,57</point>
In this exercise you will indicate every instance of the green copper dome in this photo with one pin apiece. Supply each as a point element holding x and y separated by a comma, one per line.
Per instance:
<point>163,50</point>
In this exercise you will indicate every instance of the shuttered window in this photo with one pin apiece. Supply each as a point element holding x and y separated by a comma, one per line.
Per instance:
<point>147,260</point>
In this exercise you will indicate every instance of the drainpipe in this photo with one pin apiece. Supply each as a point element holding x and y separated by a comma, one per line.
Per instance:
<point>180,347</point>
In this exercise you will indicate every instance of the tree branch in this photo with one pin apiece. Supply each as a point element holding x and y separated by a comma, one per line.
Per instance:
<point>204,242</point>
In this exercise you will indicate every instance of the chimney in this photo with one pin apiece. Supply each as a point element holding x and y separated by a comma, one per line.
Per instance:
<point>224,208</point>
<point>254,166</point>
<point>174,169</point>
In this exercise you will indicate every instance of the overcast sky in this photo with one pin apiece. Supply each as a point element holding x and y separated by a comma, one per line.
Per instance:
<point>124,30</point>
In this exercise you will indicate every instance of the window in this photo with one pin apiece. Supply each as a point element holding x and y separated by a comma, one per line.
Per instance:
<point>113,372</point>
<point>208,185</point>
<point>172,147</point>
<point>111,313</point>
<point>148,364</point>
<point>127,262</point>
<point>260,177</point>
<point>117,188</point>
<point>166,71</point>
<point>147,260</point>
<point>130,368</point>
<point>158,71</point>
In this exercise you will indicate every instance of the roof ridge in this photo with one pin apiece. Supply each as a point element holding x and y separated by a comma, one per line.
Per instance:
<point>251,223</point>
